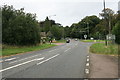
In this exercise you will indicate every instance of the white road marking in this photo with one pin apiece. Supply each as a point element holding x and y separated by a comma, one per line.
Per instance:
<point>67,49</point>
<point>24,59</point>
<point>48,59</point>
<point>21,64</point>
<point>11,59</point>
<point>52,50</point>
<point>87,64</point>
<point>87,56</point>
<point>1,61</point>
<point>88,60</point>
<point>87,71</point>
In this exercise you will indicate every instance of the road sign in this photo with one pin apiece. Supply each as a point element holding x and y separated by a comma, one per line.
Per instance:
<point>85,36</point>
<point>110,37</point>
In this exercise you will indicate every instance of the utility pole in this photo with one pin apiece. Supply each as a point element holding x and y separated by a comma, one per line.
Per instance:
<point>88,30</point>
<point>105,23</point>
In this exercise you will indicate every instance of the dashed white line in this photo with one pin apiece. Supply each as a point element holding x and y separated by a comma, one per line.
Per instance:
<point>87,56</point>
<point>88,60</point>
<point>24,59</point>
<point>87,71</point>
<point>21,64</point>
<point>48,59</point>
<point>67,49</point>
<point>1,61</point>
<point>52,50</point>
<point>11,59</point>
<point>87,64</point>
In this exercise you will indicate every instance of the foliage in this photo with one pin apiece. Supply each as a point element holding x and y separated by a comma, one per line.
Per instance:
<point>19,28</point>
<point>85,26</point>
<point>47,25</point>
<point>57,31</point>
<point>109,17</point>
<point>93,26</point>
<point>116,31</point>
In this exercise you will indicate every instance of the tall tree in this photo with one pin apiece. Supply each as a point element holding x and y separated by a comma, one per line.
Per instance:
<point>116,31</point>
<point>57,31</point>
<point>19,28</point>
<point>108,15</point>
<point>47,25</point>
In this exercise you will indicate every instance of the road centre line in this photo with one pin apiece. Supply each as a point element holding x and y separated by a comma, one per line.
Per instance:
<point>87,56</point>
<point>24,59</point>
<point>11,59</point>
<point>67,49</point>
<point>1,61</point>
<point>48,59</point>
<point>52,50</point>
<point>21,64</point>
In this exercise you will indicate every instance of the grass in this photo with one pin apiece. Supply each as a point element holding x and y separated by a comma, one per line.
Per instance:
<point>60,41</point>
<point>11,50</point>
<point>100,48</point>
<point>92,40</point>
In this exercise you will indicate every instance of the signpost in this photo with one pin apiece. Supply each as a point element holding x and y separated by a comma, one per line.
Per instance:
<point>111,37</point>
<point>85,36</point>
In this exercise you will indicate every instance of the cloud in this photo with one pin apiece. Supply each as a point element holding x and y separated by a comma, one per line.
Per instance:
<point>66,11</point>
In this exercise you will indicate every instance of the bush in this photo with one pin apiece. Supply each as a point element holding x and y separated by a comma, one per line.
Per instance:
<point>116,31</point>
<point>19,28</point>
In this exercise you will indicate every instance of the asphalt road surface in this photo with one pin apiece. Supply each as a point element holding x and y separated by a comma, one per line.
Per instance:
<point>64,61</point>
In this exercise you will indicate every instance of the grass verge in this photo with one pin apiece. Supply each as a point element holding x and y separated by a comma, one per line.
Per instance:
<point>60,41</point>
<point>100,48</point>
<point>92,40</point>
<point>10,50</point>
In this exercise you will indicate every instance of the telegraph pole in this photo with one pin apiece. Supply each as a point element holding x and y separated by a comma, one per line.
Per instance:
<point>105,23</point>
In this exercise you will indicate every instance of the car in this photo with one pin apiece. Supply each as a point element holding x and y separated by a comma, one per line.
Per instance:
<point>67,41</point>
<point>76,39</point>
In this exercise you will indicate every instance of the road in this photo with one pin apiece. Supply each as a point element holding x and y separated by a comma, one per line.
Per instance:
<point>64,61</point>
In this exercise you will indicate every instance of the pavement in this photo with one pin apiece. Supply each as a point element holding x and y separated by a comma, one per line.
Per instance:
<point>103,66</point>
<point>64,61</point>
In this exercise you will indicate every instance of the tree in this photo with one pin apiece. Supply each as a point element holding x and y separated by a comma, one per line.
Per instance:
<point>47,25</point>
<point>85,26</point>
<point>116,31</point>
<point>19,28</point>
<point>108,15</point>
<point>67,31</point>
<point>57,32</point>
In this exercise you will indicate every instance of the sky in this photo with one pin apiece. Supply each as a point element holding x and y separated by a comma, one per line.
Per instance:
<point>65,12</point>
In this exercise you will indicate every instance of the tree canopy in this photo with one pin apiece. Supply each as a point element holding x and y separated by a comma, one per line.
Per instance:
<point>18,27</point>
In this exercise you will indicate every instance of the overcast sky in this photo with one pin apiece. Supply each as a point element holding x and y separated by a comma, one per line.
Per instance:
<point>66,11</point>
